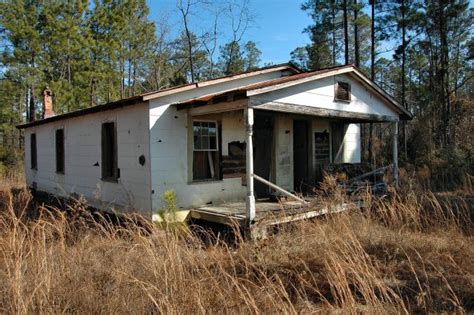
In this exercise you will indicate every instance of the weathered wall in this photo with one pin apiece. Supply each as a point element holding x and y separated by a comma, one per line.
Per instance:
<point>320,94</point>
<point>170,148</point>
<point>352,144</point>
<point>83,157</point>
<point>283,151</point>
<point>171,160</point>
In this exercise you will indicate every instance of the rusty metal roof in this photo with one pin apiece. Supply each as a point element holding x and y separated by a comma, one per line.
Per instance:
<point>143,97</point>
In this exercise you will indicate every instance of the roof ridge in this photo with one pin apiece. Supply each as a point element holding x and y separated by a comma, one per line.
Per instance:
<point>286,64</point>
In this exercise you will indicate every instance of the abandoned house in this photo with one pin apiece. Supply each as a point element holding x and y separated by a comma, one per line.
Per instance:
<point>234,140</point>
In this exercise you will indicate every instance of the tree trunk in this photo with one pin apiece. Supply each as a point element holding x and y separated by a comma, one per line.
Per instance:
<point>346,33</point>
<point>445,72</point>
<point>372,41</point>
<point>372,76</point>
<point>32,116</point>
<point>356,35</point>
<point>190,50</point>
<point>404,43</point>
<point>333,21</point>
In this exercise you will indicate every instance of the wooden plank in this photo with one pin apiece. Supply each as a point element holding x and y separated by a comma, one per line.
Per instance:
<point>277,188</point>
<point>216,217</point>
<point>305,214</point>
<point>320,112</point>
<point>218,107</point>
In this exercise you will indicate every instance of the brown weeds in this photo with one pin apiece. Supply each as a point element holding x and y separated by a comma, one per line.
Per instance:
<point>404,253</point>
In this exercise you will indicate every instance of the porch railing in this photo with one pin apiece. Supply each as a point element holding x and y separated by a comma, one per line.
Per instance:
<point>278,188</point>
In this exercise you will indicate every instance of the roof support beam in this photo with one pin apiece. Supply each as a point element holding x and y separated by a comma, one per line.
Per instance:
<point>320,112</point>
<point>218,107</point>
<point>250,202</point>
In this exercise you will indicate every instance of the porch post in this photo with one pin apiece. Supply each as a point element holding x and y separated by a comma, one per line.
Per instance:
<point>250,202</point>
<point>395,153</point>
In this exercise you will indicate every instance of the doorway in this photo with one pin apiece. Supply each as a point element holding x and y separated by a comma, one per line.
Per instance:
<point>263,149</point>
<point>301,155</point>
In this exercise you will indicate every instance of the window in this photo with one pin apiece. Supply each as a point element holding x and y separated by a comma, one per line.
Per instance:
<point>343,92</point>
<point>60,151</point>
<point>33,153</point>
<point>206,157</point>
<point>110,171</point>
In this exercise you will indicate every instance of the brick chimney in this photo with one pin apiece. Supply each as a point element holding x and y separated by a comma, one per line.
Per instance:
<point>47,103</point>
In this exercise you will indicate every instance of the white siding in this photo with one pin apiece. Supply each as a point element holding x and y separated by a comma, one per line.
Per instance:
<point>170,168</point>
<point>83,159</point>
<point>284,151</point>
<point>352,144</point>
<point>171,163</point>
<point>320,94</point>
<point>232,129</point>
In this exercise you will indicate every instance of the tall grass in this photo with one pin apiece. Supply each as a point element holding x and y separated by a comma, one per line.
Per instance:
<point>411,252</point>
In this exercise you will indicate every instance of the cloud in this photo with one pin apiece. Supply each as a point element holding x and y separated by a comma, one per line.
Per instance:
<point>280,38</point>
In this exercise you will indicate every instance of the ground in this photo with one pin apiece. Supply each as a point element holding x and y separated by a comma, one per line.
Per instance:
<point>410,252</point>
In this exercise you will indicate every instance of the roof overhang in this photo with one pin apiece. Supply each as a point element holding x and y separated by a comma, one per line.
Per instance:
<point>353,117</point>
<point>85,111</point>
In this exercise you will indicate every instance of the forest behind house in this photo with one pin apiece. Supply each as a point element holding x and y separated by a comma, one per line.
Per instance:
<point>95,52</point>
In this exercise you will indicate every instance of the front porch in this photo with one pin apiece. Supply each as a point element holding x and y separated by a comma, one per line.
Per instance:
<point>279,138</point>
<point>267,212</point>
<point>271,197</point>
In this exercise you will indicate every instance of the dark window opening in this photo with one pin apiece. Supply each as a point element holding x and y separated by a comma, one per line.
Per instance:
<point>109,152</point>
<point>343,92</point>
<point>60,151</point>
<point>34,162</point>
<point>206,157</point>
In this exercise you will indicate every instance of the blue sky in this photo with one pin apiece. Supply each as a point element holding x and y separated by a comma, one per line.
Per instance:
<point>277,27</point>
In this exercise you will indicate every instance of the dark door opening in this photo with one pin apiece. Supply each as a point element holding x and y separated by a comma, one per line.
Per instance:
<point>263,148</point>
<point>300,155</point>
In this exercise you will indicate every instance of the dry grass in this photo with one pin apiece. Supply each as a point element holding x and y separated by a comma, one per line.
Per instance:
<point>412,252</point>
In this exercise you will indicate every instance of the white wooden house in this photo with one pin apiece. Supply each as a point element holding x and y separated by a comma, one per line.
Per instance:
<point>208,141</point>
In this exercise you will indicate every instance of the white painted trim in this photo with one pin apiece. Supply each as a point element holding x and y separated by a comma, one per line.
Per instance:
<point>250,202</point>
<point>239,76</point>
<point>217,135</point>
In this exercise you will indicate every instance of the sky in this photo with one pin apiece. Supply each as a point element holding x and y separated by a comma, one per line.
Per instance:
<point>277,28</point>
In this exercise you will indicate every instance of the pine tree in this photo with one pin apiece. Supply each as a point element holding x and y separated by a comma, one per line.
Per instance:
<point>324,34</point>
<point>183,72</point>
<point>231,59</point>
<point>252,56</point>
<point>65,56</point>
<point>21,21</point>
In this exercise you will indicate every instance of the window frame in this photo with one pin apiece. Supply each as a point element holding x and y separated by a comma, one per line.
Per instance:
<point>33,151</point>
<point>217,136</point>
<point>61,169</point>
<point>216,154</point>
<point>115,170</point>
<point>349,94</point>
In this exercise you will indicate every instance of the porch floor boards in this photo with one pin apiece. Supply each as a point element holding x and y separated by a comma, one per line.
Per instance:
<point>267,212</point>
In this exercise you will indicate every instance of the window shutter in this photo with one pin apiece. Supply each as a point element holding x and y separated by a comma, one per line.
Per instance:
<point>343,91</point>
<point>60,150</point>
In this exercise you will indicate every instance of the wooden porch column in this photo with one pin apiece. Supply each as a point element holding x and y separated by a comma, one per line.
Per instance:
<point>250,202</point>
<point>395,153</point>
